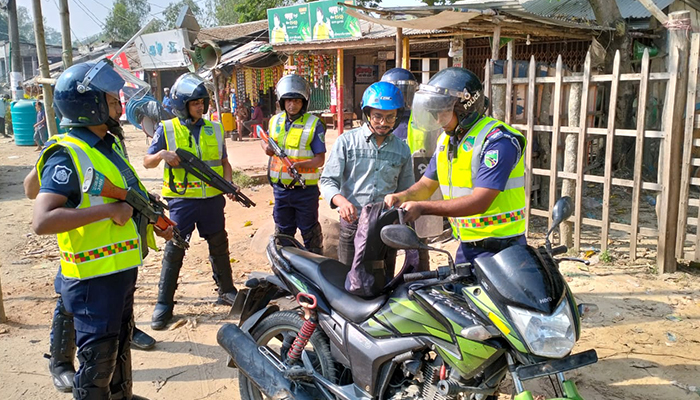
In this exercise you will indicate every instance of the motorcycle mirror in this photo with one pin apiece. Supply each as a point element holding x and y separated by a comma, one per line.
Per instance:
<point>562,210</point>
<point>401,237</point>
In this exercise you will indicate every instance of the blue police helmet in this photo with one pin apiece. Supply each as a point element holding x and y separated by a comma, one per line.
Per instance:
<point>404,80</point>
<point>81,101</point>
<point>186,88</point>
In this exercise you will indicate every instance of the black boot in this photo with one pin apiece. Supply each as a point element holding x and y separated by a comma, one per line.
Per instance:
<point>221,267</point>
<point>97,363</point>
<point>172,262</point>
<point>121,385</point>
<point>313,239</point>
<point>62,350</point>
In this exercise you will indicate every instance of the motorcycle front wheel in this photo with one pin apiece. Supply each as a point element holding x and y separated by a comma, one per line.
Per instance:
<point>278,332</point>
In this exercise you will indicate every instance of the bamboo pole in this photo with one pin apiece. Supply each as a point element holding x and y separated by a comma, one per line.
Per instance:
<point>530,136</point>
<point>399,47</point>
<point>406,64</point>
<point>555,135</point>
<point>67,53</point>
<point>44,68</point>
<point>639,152</point>
<point>581,150</point>
<point>340,94</point>
<point>609,141</point>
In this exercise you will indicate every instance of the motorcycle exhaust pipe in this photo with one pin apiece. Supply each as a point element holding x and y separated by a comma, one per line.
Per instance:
<point>259,365</point>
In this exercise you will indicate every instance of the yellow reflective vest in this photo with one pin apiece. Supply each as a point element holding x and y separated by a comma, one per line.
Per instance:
<point>296,144</point>
<point>209,148</point>
<point>506,215</point>
<point>102,247</point>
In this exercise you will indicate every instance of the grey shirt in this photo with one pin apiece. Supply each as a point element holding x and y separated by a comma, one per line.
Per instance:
<point>364,173</point>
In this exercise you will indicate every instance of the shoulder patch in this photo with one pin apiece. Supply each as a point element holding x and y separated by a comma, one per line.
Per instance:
<point>208,130</point>
<point>491,158</point>
<point>321,137</point>
<point>468,143</point>
<point>61,174</point>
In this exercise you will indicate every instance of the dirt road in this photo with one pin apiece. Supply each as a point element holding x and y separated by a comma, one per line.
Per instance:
<point>647,334</point>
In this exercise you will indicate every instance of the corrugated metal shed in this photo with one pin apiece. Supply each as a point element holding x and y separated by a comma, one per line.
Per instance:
<point>581,9</point>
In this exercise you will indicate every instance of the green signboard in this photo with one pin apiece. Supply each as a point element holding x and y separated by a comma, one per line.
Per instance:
<point>319,20</point>
<point>289,24</point>
<point>328,20</point>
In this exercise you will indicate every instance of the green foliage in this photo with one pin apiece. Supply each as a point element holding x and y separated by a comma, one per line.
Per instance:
<point>173,10</point>
<point>432,3</point>
<point>223,14</point>
<point>25,25</point>
<point>255,10</point>
<point>126,18</point>
<point>239,178</point>
<point>606,257</point>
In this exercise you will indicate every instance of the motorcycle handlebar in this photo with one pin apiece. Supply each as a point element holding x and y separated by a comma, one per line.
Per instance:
<point>417,276</point>
<point>559,250</point>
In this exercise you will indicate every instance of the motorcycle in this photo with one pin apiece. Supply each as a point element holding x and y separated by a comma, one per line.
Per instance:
<point>451,333</point>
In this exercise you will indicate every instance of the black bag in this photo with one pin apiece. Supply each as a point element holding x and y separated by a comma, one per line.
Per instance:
<point>374,262</point>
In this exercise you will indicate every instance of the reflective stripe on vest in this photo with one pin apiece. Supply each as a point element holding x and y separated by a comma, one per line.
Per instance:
<point>102,247</point>
<point>415,138</point>
<point>208,148</point>
<point>506,215</point>
<point>296,143</point>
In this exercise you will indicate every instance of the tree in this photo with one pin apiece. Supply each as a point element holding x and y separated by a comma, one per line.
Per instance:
<point>255,10</point>
<point>432,3</point>
<point>173,10</point>
<point>224,13</point>
<point>126,18</point>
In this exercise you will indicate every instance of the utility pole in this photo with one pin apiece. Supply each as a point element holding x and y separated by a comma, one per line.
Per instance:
<point>44,67</point>
<point>67,54</point>
<point>16,77</point>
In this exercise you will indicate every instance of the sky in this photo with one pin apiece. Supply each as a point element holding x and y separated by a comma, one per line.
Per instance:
<point>84,24</point>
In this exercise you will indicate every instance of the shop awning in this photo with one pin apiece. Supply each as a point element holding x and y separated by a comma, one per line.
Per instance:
<point>255,54</point>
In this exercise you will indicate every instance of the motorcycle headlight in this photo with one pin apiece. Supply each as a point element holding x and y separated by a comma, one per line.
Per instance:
<point>545,335</point>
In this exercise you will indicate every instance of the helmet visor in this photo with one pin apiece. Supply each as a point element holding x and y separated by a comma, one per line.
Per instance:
<point>408,89</point>
<point>187,85</point>
<point>293,87</point>
<point>111,79</point>
<point>432,111</point>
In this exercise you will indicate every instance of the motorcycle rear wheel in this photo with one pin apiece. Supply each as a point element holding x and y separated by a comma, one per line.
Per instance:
<point>271,332</point>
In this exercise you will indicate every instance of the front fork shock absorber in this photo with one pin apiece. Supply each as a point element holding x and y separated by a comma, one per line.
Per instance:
<point>308,303</point>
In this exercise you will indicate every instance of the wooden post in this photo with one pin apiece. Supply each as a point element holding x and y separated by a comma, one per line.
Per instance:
<point>654,10</point>
<point>530,136</point>
<point>340,94</point>
<point>583,129</point>
<point>688,144</point>
<point>556,127</point>
<point>67,53</point>
<point>3,317</point>
<point>399,47</point>
<point>568,186</point>
<point>676,93</point>
<point>406,64</point>
<point>496,45</point>
<point>16,75</point>
<point>639,151</point>
<point>215,80</point>
<point>508,104</point>
<point>44,67</point>
<point>609,140</point>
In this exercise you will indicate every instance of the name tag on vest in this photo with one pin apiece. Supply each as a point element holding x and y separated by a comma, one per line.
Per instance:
<point>208,130</point>
<point>298,126</point>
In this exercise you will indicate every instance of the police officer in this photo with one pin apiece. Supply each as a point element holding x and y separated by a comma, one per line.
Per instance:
<point>101,241</point>
<point>407,83</point>
<point>302,137</point>
<point>478,165</point>
<point>62,344</point>
<point>192,202</point>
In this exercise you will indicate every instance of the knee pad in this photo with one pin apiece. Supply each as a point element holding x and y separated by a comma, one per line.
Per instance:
<point>97,363</point>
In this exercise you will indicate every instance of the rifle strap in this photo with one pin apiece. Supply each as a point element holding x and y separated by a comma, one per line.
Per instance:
<point>171,182</point>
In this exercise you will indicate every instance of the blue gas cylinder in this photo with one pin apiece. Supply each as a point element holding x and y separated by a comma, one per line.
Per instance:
<point>23,120</point>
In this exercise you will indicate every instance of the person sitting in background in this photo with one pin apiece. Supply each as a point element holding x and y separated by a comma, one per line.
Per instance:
<point>255,119</point>
<point>41,134</point>
<point>167,101</point>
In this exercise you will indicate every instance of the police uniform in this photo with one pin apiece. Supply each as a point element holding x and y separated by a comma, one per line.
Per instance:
<point>301,139</point>
<point>192,204</point>
<point>99,261</point>
<point>488,156</point>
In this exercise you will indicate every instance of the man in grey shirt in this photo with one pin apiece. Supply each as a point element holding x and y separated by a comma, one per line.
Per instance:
<point>367,163</point>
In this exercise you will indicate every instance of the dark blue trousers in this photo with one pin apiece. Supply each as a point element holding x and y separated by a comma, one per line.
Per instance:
<point>207,215</point>
<point>296,208</point>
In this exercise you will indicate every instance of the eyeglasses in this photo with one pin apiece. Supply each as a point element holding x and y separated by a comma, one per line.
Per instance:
<point>390,119</point>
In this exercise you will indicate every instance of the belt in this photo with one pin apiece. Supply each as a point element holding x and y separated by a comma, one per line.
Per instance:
<point>494,245</point>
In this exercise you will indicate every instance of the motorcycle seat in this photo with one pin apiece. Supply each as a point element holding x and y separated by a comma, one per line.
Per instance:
<point>329,276</point>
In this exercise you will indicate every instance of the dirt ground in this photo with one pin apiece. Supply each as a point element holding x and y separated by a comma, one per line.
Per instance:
<point>647,333</point>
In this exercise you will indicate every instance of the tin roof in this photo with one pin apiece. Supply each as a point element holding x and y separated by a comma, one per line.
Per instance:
<point>581,9</point>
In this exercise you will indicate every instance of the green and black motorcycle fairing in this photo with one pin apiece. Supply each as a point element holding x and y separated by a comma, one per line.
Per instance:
<point>452,334</point>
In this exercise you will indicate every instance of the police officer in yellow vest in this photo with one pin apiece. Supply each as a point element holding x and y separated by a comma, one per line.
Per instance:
<point>191,201</point>
<point>101,241</point>
<point>302,137</point>
<point>478,165</point>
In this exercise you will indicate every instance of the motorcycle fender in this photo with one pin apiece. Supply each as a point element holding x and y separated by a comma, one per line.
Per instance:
<point>250,323</point>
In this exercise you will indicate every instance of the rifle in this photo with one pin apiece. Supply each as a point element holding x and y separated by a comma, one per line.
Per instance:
<point>282,156</point>
<point>193,165</point>
<point>96,184</point>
